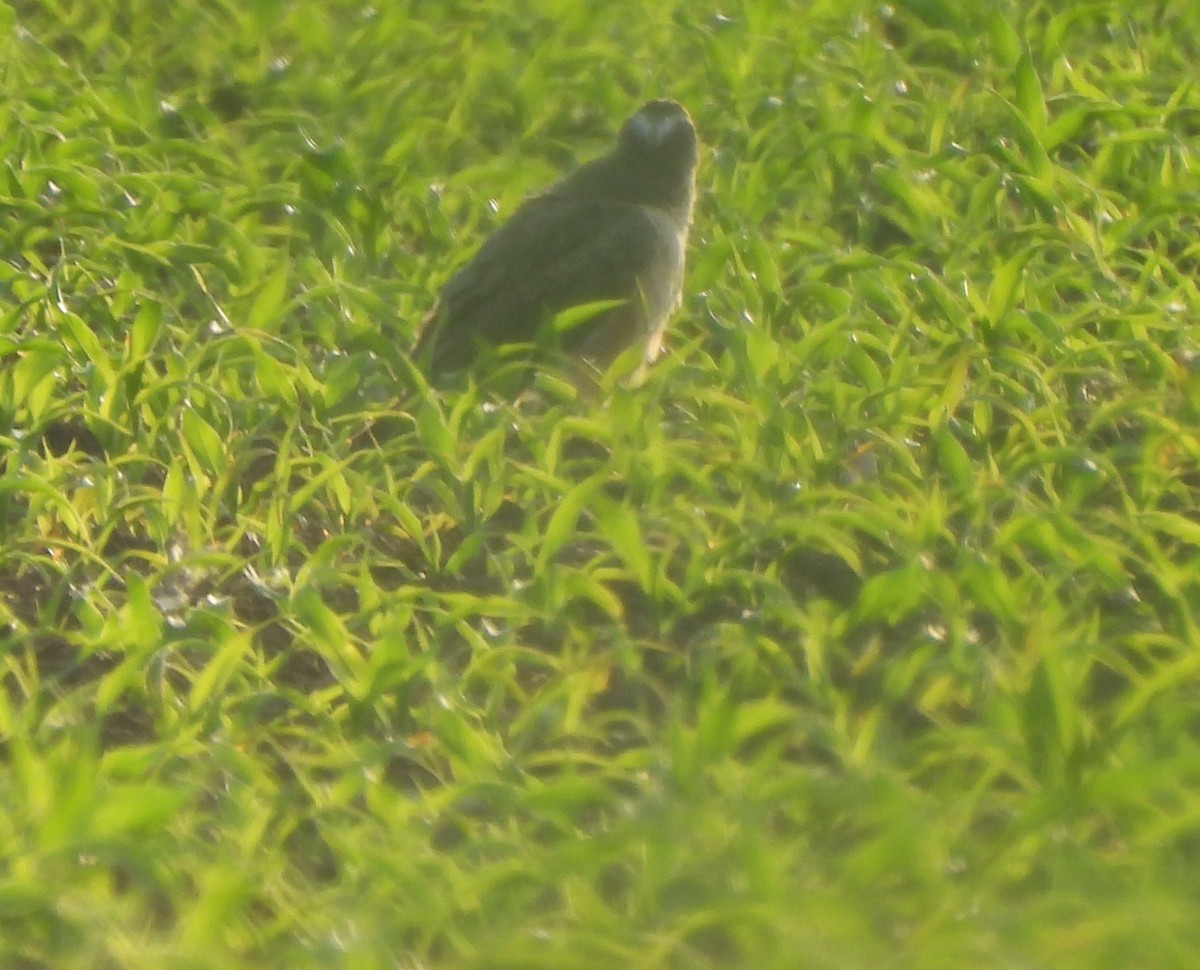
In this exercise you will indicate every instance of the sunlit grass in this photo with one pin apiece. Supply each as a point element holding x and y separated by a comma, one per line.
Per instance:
<point>863,633</point>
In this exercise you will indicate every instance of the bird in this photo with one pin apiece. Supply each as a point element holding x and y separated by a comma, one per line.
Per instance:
<point>609,237</point>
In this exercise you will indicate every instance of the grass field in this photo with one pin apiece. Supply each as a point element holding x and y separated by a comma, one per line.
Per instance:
<point>864,634</point>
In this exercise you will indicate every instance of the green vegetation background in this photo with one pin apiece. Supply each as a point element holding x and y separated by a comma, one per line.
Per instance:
<point>863,635</point>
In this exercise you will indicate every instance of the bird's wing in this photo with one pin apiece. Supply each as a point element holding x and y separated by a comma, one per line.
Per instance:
<point>558,252</point>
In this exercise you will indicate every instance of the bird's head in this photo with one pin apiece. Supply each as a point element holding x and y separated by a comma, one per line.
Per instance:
<point>653,163</point>
<point>661,130</point>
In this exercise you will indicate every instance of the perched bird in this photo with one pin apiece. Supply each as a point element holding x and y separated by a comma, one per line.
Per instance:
<point>612,233</point>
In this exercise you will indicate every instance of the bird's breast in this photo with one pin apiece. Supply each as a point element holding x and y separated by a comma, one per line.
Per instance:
<point>662,284</point>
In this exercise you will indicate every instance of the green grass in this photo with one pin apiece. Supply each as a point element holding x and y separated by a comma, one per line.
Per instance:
<point>864,634</point>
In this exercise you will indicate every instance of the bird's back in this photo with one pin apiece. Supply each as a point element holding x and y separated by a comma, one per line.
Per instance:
<point>553,254</point>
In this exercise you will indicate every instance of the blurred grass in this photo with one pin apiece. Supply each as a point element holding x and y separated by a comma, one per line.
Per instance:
<point>863,634</point>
